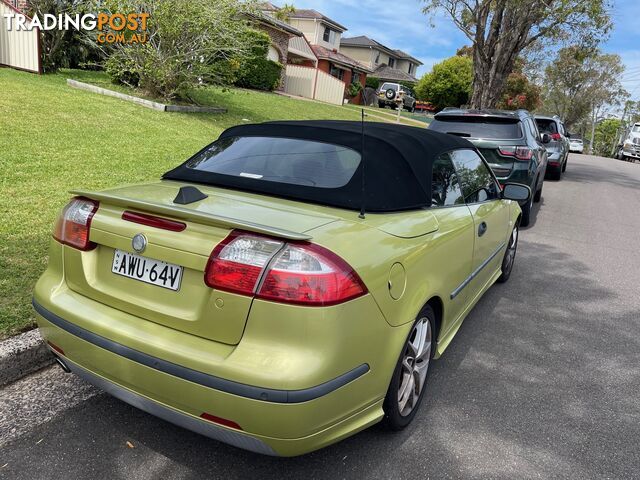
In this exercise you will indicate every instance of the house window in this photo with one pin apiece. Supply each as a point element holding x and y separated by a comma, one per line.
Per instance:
<point>410,68</point>
<point>377,61</point>
<point>392,62</point>
<point>329,35</point>
<point>336,72</point>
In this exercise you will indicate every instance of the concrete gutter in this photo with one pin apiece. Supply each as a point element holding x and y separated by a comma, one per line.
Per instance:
<point>22,355</point>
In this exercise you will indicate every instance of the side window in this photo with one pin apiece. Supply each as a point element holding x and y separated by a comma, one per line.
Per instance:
<point>476,180</point>
<point>533,127</point>
<point>445,188</point>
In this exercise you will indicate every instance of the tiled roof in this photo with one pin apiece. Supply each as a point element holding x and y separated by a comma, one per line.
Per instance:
<point>337,57</point>
<point>406,56</point>
<point>364,41</point>
<point>310,13</point>
<point>274,22</point>
<point>385,72</point>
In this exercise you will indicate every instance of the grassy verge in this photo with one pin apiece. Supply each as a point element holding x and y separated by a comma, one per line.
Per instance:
<point>54,138</point>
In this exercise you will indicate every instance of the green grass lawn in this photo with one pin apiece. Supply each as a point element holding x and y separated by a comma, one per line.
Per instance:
<point>54,138</point>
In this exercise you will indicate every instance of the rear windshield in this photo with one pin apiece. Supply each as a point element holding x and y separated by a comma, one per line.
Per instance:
<point>546,126</point>
<point>387,86</point>
<point>276,159</point>
<point>477,127</point>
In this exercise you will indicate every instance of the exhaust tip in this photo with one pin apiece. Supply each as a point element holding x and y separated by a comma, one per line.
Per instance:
<point>62,365</point>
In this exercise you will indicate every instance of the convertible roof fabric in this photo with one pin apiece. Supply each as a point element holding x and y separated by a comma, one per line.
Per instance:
<point>397,162</point>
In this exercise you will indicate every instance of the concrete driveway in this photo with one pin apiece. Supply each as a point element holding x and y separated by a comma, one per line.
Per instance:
<point>542,381</point>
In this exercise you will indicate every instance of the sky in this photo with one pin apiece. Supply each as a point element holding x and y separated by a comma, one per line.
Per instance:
<point>401,24</point>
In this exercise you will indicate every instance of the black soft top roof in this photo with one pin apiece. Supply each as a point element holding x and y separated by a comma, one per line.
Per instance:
<point>397,163</point>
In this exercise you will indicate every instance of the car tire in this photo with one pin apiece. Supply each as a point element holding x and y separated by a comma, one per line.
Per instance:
<point>538,196</point>
<point>526,213</point>
<point>402,400</point>
<point>380,104</point>
<point>509,256</point>
<point>564,165</point>
<point>553,175</point>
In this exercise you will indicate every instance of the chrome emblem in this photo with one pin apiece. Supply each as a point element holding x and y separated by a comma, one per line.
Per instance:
<point>139,242</point>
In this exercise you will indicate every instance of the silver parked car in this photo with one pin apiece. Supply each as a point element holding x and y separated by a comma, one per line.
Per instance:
<point>558,147</point>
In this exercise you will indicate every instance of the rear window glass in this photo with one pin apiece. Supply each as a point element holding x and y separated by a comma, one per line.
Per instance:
<point>387,86</point>
<point>546,126</point>
<point>477,127</point>
<point>283,160</point>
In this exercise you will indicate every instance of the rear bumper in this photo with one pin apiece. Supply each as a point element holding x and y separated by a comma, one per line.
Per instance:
<point>262,424</point>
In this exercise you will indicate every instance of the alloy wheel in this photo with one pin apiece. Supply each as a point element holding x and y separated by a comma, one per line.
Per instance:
<point>415,364</point>
<point>511,250</point>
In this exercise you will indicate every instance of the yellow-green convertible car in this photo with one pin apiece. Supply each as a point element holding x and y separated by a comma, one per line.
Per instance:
<point>284,288</point>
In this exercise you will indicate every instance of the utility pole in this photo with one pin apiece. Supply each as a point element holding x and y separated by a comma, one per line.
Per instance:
<point>617,139</point>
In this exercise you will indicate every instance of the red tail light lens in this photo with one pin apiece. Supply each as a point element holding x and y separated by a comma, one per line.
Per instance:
<point>295,273</point>
<point>310,275</point>
<point>74,223</point>
<point>237,263</point>
<point>556,136</point>
<point>520,153</point>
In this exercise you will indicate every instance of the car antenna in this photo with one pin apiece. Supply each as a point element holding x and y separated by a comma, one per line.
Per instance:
<point>362,161</point>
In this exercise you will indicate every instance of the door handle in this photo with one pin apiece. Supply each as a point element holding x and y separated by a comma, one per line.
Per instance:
<point>482,228</point>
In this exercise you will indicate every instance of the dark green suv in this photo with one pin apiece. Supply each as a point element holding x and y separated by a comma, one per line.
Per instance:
<point>509,141</point>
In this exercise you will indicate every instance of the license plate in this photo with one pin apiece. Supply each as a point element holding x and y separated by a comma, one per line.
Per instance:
<point>147,270</point>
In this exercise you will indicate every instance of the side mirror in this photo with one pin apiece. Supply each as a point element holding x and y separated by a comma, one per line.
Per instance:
<point>516,191</point>
<point>546,138</point>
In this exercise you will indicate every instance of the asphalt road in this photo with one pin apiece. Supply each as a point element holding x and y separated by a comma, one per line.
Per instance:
<point>542,381</point>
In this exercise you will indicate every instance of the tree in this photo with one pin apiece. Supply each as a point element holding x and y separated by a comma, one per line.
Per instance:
<point>605,137</point>
<point>581,81</point>
<point>189,44</point>
<point>64,48</point>
<point>519,92</point>
<point>448,84</point>
<point>500,30</point>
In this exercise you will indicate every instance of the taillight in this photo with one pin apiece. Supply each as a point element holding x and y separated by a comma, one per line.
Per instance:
<point>73,224</point>
<point>237,263</point>
<point>520,153</point>
<point>556,136</point>
<point>296,273</point>
<point>310,275</point>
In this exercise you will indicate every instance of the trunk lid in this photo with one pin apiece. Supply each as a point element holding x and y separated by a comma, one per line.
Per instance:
<point>193,308</point>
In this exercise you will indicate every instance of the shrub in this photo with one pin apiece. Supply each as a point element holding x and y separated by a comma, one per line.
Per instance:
<point>256,71</point>
<point>448,84</point>
<point>372,82</point>
<point>259,73</point>
<point>354,89</point>
<point>189,44</point>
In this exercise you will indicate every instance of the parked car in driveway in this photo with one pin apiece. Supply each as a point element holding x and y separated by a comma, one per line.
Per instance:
<point>508,140</point>
<point>389,92</point>
<point>257,295</point>
<point>576,145</point>
<point>558,146</point>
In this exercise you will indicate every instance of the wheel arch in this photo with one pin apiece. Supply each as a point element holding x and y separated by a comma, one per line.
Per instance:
<point>437,306</point>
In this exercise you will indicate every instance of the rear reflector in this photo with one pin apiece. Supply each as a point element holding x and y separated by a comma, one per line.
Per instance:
<point>295,273</point>
<point>220,421</point>
<point>153,221</point>
<point>74,223</point>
